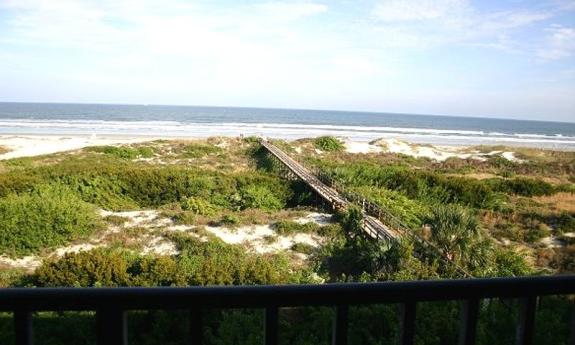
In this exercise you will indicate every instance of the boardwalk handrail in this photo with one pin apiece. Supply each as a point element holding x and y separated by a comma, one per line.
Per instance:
<point>376,219</point>
<point>111,304</point>
<point>387,218</point>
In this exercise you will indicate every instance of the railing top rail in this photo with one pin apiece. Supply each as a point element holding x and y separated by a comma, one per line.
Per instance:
<point>282,295</point>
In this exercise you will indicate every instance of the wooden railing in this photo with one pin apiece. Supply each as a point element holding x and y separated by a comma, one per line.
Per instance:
<point>111,304</point>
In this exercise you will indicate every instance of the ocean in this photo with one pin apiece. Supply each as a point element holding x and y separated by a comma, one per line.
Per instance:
<point>198,121</point>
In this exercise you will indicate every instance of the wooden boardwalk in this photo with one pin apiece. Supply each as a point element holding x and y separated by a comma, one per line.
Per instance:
<point>371,225</point>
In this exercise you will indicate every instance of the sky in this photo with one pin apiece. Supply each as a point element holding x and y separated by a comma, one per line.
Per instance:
<point>489,58</point>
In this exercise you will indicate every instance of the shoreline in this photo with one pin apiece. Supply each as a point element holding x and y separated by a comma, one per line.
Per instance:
<point>288,130</point>
<point>20,145</point>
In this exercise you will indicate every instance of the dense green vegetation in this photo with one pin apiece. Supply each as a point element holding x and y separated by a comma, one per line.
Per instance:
<point>200,263</point>
<point>52,200</point>
<point>124,152</point>
<point>196,150</point>
<point>48,216</point>
<point>328,144</point>
<point>506,208</point>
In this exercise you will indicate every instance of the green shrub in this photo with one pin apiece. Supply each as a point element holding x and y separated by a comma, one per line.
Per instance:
<point>200,263</point>
<point>123,152</point>
<point>522,186</point>
<point>256,196</point>
<point>423,186</point>
<point>218,263</point>
<point>47,217</point>
<point>288,227</point>
<point>230,219</point>
<point>11,277</point>
<point>97,267</point>
<point>303,248</point>
<point>410,212</point>
<point>16,182</point>
<point>198,206</point>
<point>107,267</point>
<point>107,192</point>
<point>123,185</point>
<point>197,150</point>
<point>328,144</point>
<point>252,139</point>
<point>330,230</point>
<point>146,151</point>
<point>351,220</point>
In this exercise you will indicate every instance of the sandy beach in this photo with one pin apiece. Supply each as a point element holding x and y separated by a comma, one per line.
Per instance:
<point>35,145</point>
<point>30,145</point>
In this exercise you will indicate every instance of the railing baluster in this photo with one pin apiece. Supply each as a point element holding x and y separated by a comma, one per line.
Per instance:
<point>196,326</point>
<point>23,327</point>
<point>271,326</point>
<point>468,321</point>
<point>340,325</point>
<point>572,324</point>
<point>407,323</point>
<point>526,321</point>
<point>111,327</point>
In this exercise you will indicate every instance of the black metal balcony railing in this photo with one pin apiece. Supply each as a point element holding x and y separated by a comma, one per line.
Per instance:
<point>111,304</point>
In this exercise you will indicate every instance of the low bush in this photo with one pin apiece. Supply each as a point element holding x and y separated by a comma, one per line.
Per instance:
<point>16,182</point>
<point>424,186</point>
<point>198,150</point>
<point>288,227</point>
<point>47,217</point>
<point>328,144</point>
<point>303,248</point>
<point>106,267</point>
<point>11,277</point>
<point>522,186</point>
<point>257,196</point>
<point>198,206</point>
<point>410,212</point>
<point>200,263</point>
<point>230,219</point>
<point>218,263</point>
<point>124,152</point>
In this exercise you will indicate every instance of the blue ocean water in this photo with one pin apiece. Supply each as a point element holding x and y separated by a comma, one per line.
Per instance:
<point>197,121</point>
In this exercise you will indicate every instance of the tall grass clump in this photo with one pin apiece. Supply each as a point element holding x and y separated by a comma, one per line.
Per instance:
<point>328,143</point>
<point>47,217</point>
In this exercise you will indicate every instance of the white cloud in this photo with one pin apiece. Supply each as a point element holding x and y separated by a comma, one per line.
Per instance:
<point>560,43</point>
<point>425,24</point>
<point>290,11</point>
<point>414,10</point>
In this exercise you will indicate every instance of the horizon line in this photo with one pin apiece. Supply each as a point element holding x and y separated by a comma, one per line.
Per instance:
<point>484,117</point>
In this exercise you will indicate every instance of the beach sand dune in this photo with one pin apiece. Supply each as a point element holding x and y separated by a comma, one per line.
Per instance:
<point>36,145</point>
